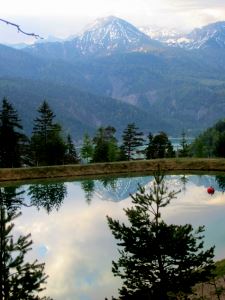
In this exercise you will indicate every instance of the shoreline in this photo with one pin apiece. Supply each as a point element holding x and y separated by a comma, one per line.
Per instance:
<point>113,168</point>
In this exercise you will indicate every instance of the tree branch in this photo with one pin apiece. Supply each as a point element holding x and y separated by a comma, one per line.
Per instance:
<point>20,30</point>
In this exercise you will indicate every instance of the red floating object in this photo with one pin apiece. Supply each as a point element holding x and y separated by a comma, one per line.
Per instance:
<point>210,190</point>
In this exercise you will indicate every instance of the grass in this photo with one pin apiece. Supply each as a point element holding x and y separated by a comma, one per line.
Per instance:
<point>184,165</point>
<point>220,268</point>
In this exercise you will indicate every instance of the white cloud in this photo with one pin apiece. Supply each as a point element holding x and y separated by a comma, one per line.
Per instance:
<point>79,246</point>
<point>63,18</point>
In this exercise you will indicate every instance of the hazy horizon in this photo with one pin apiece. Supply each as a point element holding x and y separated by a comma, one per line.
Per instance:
<point>62,19</point>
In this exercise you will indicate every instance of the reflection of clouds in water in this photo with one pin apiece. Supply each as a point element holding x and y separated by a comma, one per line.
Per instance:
<point>78,247</point>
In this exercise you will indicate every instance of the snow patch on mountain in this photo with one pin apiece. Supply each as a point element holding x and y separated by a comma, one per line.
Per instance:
<point>112,34</point>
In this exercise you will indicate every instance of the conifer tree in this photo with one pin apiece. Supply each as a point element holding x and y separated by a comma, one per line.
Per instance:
<point>47,144</point>
<point>132,139</point>
<point>158,261</point>
<point>71,156</point>
<point>19,279</point>
<point>12,138</point>
<point>184,149</point>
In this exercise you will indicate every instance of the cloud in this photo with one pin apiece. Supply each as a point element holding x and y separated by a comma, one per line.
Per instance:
<point>78,247</point>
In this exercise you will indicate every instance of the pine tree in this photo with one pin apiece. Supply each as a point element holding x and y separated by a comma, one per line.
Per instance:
<point>184,149</point>
<point>158,261</point>
<point>47,144</point>
<point>18,279</point>
<point>11,137</point>
<point>71,156</point>
<point>132,139</point>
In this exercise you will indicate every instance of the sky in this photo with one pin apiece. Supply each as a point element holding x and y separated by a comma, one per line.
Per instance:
<point>68,17</point>
<point>78,247</point>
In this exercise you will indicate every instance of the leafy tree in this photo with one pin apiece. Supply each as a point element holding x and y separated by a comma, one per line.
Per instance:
<point>11,137</point>
<point>132,139</point>
<point>158,260</point>
<point>71,156</point>
<point>159,146</point>
<point>211,142</point>
<point>105,149</point>
<point>46,142</point>
<point>18,279</point>
<point>87,148</point>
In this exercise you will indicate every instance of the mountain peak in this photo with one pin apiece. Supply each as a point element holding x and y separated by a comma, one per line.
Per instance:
<point>210,36</point>
<point>111,34</point>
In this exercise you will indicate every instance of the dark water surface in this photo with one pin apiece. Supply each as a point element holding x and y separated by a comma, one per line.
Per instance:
<point>68,226</point>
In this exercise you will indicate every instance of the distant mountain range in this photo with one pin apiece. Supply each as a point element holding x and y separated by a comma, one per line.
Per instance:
<point>113,73</point>
<point>209,36</point>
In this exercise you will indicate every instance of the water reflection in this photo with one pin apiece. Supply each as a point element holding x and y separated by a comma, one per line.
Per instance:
<point>72,236</point>
<point>49,196</point>
<point>221,182</point>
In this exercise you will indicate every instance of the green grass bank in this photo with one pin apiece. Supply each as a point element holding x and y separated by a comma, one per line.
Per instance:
<point>127,167</point>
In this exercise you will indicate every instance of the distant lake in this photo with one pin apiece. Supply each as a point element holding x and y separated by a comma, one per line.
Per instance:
<point>67,221</point>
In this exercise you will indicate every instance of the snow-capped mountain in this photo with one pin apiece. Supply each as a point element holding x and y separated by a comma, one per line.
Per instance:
<point>209,36</point>
<point>102,38</point>
<point>161,34</point>
<point>110,35</point>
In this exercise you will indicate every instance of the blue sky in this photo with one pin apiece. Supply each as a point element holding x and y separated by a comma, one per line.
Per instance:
<point>64,18</point>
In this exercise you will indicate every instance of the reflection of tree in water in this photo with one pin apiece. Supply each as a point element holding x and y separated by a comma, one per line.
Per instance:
<point>220,179</point>
<point>109,182</point>
<point>111,188</point>
<point>49,196</point>
<point>184,181</point>
<point>10,198</point>
<point>18,279</point>
<point>88,187</point>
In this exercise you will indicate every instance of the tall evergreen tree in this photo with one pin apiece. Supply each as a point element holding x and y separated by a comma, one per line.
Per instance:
<point>132,139</point>
<point>12,139</point>
<point>18,279</point>
<point>184,148</point>
<point>158,261</point>
<point>47,144</point>
<point>71,156</point>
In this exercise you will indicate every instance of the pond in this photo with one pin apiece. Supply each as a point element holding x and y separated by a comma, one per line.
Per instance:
<point>67,221</point>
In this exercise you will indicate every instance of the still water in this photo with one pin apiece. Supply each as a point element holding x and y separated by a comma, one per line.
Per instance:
<point>70,234</point>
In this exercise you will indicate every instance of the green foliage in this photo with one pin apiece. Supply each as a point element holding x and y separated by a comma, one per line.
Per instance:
<point>210,143</point>
<point>184,148</point>
<point>132,139</point>
<point>105,145</point>
<point>87,148</point>
<point>159,146</point>
<point>71,156</point>
<point>12,140</point>
<point>47,144</point>
<point>158,260</point>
